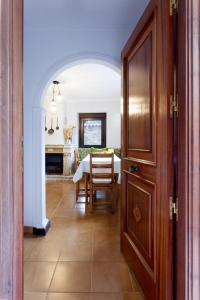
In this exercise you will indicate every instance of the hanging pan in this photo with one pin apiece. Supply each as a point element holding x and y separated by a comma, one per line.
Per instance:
<point>51,130</point>
<point>45,124</point>
<point>57,127</point>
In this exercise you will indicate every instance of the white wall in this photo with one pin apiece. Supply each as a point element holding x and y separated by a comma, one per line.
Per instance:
<point>71,112</point>
<point>46,51</point>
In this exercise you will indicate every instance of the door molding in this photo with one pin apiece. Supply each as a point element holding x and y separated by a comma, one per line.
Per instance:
<point>188,226</point>
<point>11,208</point>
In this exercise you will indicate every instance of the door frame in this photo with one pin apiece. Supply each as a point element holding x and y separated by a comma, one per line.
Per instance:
<point>11,179</point>
<point>188,225</point>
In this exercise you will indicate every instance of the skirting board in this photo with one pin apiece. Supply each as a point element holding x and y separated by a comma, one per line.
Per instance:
<point>37,231</point>
<point>42,231</point>
<point>58,177</point>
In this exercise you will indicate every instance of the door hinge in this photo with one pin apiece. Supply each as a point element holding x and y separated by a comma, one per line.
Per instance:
<point>173,208</point>
<point>173,105</point>
<point>173,7</point>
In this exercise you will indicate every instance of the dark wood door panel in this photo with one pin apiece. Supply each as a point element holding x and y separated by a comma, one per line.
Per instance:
<point>141,106</point>
<point>141,206</point>
<point>140,97</point>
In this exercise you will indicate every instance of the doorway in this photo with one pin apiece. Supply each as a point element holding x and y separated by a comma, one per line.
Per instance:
<point>11,284</point>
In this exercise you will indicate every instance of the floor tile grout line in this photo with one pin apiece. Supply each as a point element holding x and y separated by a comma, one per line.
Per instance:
<point>92,263</point>
<point>57,206</point>
<point>52,277</point>
<point>46,297</point>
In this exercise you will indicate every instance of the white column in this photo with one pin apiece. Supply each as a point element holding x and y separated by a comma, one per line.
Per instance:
<point>38,170</point>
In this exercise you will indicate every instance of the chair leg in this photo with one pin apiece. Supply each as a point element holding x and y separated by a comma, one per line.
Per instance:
<point>86,188</point>
<point>91,198</point>
<point>77,190</point>
<point>113,199</point>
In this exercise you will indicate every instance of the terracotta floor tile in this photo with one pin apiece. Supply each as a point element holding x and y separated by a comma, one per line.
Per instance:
<point>79,226</point>
<point>76,251</point>
<point>38,275</point>
<point>68,296</point>
<point>29,245</point>
<point>46,251</point>
<point>106,221</point>
<point>87,247</point>
<point>35,296</point>
<point>105,296</point>
<point>132,296</point>
<point>116,296</point>
<point>107,251</point>
<point>53,202</point>
<point>63,210</point>
<point>110,277</point>
<point>76,218</point>
<point>55,236</point>
<point>79,236</point>
<point>106,234</point>
<point>72,277</point>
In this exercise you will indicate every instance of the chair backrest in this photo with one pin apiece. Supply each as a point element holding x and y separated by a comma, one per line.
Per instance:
<point>102,170</point>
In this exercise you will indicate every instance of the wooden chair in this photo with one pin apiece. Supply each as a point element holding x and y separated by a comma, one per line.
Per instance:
<point>81,191</point>
<point>102,181</point>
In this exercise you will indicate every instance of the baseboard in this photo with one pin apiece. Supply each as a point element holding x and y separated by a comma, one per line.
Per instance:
<point>59,178</point>
<point>42,231</point>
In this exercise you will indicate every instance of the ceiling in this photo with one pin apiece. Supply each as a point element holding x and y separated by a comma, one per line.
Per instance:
<point>89,82</point>
<point>83,14</point>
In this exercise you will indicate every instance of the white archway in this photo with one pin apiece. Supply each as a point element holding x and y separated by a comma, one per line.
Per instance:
<point>39,219</point>
<point>70,62</point>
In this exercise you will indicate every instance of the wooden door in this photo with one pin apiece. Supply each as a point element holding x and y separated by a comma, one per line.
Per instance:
<point>146,233</point>
<point>11,116</point>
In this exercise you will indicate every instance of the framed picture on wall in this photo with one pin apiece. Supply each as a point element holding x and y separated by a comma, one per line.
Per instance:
<point>92,130</point>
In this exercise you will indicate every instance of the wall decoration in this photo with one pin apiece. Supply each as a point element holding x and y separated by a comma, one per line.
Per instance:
<point>68,134</point>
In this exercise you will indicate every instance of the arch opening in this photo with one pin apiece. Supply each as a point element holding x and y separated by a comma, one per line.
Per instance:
<point>39,136</point>
<point>69,63</point>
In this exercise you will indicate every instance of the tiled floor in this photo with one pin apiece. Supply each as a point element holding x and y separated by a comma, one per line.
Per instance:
<point>80,257</point>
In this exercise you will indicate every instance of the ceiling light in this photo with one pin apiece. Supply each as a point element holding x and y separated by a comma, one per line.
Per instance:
<point>59,97</point>
<point>56,96</point>
<point>56,91</point>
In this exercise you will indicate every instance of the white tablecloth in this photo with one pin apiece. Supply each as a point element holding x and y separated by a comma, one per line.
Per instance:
<point>84,167</point>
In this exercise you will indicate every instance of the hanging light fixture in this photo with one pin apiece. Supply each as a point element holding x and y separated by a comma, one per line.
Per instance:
<point>57,96</point>
<point>57,93</point>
